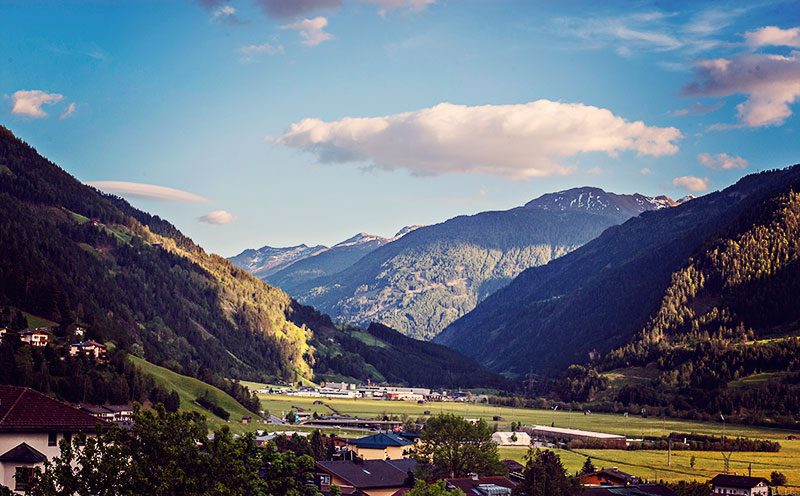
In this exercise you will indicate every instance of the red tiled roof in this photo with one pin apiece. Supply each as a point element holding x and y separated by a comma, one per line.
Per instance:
<point>467,483</point>
<point>23,409</point>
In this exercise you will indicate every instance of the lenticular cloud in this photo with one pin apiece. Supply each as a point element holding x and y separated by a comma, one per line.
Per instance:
<point>513,141</point>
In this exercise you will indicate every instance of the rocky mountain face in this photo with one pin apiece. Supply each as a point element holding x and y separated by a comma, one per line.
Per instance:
<point>425,280</point>
<point>268,260</point>
<point>600,296</point>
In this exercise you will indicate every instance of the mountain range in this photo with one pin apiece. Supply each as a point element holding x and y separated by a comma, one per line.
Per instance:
<point>71,254</point>
<point>421,282</point>
<point>629,282</point>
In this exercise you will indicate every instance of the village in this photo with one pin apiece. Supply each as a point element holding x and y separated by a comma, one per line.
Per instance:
<point>380,463</point>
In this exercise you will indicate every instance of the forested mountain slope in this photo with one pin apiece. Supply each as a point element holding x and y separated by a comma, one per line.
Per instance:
<point>425,280</point>
<point>724,337</point>
<point>601,295</point>
<point>69,253</point>
<point>134,278</point>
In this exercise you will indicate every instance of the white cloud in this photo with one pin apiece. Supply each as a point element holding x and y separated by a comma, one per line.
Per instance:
<point>721,161</point>
<point>645,171</point>
<point>67,113</point>
<point>771,83</point>
<point>595,171</point>
<point>642,30</point>
<point>226,14</point>
<point>691,183</point>
<point>146,191</point>
<point>774,36</point>
<point>312,31</point>
<point>659,31</point>
<point>514,141</point>
<point>217,217</point>
<point>29,102</point>
<point>385,6</point>
<point>250,52</point>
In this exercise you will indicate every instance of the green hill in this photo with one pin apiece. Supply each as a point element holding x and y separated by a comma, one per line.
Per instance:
<point>189,388</point>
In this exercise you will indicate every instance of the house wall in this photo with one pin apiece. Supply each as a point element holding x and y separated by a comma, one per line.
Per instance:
<point>36,440</point>
<point>8,470</point>
<point>390,452</point>
<point>760,490</point>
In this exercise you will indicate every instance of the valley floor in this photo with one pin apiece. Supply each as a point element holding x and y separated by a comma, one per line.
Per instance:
<point>651,465</point>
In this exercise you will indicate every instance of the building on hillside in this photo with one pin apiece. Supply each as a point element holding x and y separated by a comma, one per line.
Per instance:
<point>31,425</point>
<point>3,332</point>
<point>512,438</point>
<point>366,477</point>
<point>495,485</point>
<point>608,477</point>
<point>35,337</point>
<point>382,446</point>
<point>739,485</point>
<point>91,349</point>
<point>118,414</point>
<point>562,435</point>
<point>634,490</point>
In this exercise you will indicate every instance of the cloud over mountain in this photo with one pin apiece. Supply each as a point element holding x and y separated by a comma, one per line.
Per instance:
<point>721,161</point>
<point>691,183</point>
<point>514,141</point>
<point>217,217</point>
<point>29,102</point>
<point>770,81</point>
<point>147,191</point>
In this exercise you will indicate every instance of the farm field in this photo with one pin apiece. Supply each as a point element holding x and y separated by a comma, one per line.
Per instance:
<point>631,426</point>
<point>652,465</point>
<point>646,464</point>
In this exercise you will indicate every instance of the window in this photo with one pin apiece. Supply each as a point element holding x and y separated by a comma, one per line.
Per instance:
<point>52,438</point>
<point>22,478</point>
<point>324,479</point>
<point>68,437</point>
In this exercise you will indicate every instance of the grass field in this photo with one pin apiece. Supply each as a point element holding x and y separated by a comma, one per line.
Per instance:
<point>653,465</point>
<point>189,388</point>
<point>646,464</point>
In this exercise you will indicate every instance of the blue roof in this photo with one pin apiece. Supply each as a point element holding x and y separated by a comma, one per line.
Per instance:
<point>380,441</point>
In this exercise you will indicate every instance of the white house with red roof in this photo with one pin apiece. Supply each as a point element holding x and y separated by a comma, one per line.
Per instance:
<point>35,337</point>
<point>31,426</point>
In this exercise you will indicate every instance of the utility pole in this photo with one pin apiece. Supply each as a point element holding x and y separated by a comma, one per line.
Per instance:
<point>669,452</point>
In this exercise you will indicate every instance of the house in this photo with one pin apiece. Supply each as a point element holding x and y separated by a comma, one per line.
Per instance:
<point>512,438</point>
<point>3,332</point>
<point>35,337</point>
<point>608,477</point>
<point>367,477</point>
<point>739,485</point>
<point>118,414</point>
<point>382,446</point>
<point>495,485</point>
<point>635,490</point>
<point>31,425</point>
<point>91,349</point>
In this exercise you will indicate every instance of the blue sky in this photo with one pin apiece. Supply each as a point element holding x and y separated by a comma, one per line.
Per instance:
<point>282,122</point>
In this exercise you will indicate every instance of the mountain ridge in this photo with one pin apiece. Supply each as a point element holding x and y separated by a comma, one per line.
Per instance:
<point>553,308</point>
<point>428,278</point>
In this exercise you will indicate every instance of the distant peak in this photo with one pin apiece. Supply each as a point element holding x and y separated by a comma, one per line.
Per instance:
<point>360,239</point>
<point>597,200</point>
<point>407,229</point>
